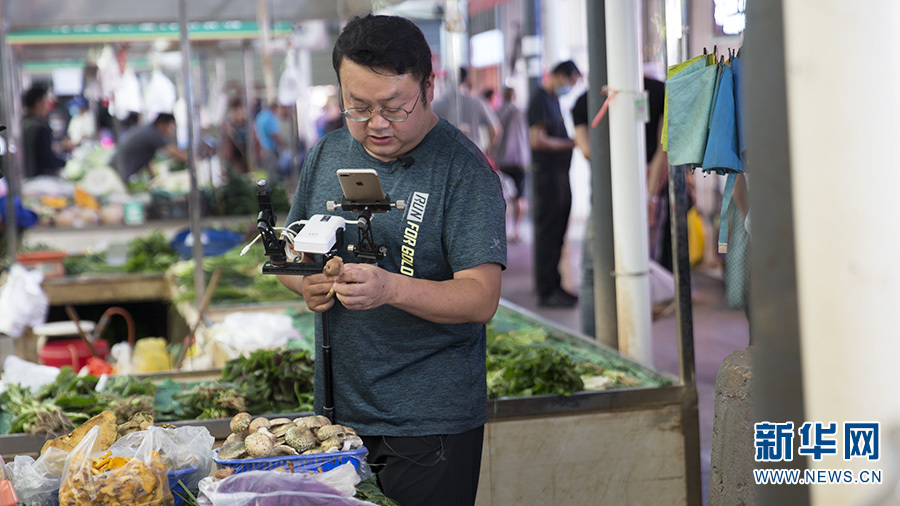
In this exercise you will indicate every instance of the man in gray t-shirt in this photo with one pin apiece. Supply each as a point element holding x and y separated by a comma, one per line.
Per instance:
<point>137,147</point>
<point>408,333</point>
<point>472,116</point>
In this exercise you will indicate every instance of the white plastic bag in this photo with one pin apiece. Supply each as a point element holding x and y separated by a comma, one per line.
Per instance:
<point>244,332</point>
<point>265,488</point>
<point>37,481</point>
<point>289,87</point>
<point>662,284</point>
<point>159,95</point>
<point>186,449</point>
<point>138,480</point>
<point>23,302</point>
<point>342,478</point>
<point>28,374</point>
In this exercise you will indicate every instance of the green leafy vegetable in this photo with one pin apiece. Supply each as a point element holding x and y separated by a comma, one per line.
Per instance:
<point>273,381</point>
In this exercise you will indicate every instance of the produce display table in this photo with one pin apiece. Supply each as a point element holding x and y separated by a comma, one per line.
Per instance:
<point>106,289</point>
<point>617,446</point>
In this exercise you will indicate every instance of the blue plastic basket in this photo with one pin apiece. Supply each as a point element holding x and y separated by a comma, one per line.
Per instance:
<point>174,486</point>
<point>295,463</point>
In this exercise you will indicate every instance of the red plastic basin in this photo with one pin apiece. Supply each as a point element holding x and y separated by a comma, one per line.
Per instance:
<point>71,352</point>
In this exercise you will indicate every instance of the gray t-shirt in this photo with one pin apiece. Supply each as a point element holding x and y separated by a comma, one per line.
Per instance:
<point>136,148</point>
<point>396,374</point>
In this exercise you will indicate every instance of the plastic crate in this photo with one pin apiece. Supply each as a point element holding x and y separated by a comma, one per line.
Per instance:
<point>174,486</point>
<point>317,463</point>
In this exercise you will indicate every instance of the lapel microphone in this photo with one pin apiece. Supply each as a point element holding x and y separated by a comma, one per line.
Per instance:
<point>406,161</point>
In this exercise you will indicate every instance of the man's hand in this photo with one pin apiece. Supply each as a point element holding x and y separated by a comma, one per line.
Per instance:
<point>314,289</point>
<point>363,286</point>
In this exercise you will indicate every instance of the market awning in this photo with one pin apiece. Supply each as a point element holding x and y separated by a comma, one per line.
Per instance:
<point>137,32</point>
<point>47,13</point>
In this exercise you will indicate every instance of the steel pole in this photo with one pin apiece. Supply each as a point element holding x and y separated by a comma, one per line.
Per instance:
<point>194,202</point>
<point>600,233</point>
<point>628,161</point>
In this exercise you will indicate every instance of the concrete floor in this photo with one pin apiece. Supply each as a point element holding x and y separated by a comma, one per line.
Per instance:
<point>718,330</point>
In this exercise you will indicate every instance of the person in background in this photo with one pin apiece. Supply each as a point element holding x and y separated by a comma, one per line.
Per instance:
<point>408,333</point>
<point>39,158</point>
<point>139,145</point>
<point>234,137</point>
<point>551,157</point>
<point>331,118</point>
<point>473,115</point>
<point>489,96</point>
<point>267,127</point>
<point>58,121</point>
<point>82,126</point>
<point>513,154</point>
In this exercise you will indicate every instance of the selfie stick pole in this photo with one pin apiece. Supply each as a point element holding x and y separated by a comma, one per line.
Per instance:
<point>327,385</point>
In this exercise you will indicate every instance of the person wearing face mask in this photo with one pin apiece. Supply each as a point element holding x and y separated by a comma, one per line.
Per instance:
<point>37,138</point>
<point>551,156</point>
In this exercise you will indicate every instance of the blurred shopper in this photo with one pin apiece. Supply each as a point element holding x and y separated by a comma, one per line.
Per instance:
<point>513,154</point>
<point>551,157</point>
<point>139,145</point>
<point>82,126</point>
<point>37,137</point>
<point>331,118</point>
<point>58,120</point>
<point>234,138</point>
<point>472,114</point>
<point>271,143</point>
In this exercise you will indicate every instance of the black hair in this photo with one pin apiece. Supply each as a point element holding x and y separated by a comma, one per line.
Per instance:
<point>488,94</point>
<point>567,68</point>
<point>34,95</point>
<point>164,117</point>
<point>384,42</point>
<point>463,75</point>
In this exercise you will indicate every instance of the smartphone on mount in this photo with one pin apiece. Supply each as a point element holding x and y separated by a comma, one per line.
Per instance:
<point>360,185</point>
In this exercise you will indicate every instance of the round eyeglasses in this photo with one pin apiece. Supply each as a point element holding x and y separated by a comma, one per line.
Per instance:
<point>392,114</point>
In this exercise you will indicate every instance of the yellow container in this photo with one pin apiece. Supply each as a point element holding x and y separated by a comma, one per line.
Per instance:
<point>150,355</point>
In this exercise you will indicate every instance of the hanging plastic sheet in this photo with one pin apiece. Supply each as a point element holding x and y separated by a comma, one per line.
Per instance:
<point>690,100</point>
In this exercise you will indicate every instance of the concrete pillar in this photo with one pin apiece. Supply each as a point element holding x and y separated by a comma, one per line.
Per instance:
<point>843,129</point>
<point>731,460</point>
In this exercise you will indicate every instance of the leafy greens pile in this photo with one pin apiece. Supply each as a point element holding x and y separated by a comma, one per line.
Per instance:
<point>273,381</point>
<point>241,280</point>
<point>524,359</point>
<point>70,400</point>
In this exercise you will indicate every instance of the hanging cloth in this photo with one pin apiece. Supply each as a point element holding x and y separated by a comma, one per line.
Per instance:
<point>691,93</point>
<point>736,69</point>
<point>672,72</point>
<point>721,155</point>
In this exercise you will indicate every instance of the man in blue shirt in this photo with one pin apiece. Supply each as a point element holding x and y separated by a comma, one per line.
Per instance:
<point>407,334</point>
<point>268,132</point>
